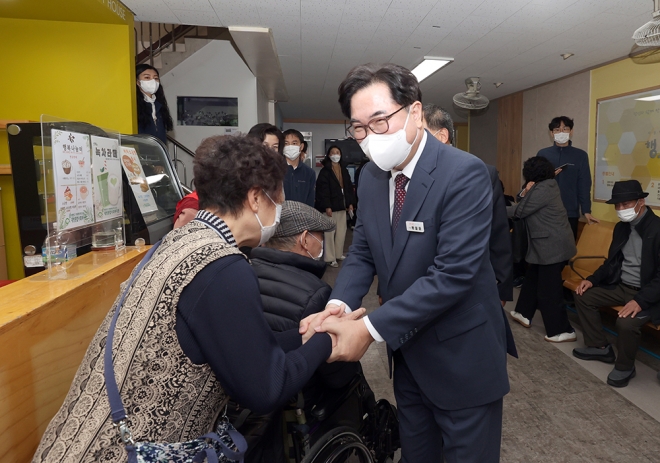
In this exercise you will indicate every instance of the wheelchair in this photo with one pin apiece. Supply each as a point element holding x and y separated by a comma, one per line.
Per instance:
<point>345,425</point>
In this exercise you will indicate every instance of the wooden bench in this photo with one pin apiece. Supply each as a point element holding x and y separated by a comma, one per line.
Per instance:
<point>592,249</point>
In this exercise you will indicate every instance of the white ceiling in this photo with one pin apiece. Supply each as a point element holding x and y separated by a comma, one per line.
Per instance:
<point>517,42</point>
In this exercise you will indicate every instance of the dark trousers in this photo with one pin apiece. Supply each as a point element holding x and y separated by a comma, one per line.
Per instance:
<point>629,329</point>
<point>573,222</point>
<point>471,435</point>
<point>542,290</point>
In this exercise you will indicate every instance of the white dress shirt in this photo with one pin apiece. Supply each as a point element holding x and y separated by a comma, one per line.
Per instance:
<point>408,172</point>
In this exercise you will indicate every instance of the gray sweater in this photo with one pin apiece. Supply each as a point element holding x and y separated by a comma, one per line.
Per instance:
<point>549,234</point>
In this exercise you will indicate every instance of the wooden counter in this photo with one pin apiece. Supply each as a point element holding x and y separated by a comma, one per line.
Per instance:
<point>45,328</point>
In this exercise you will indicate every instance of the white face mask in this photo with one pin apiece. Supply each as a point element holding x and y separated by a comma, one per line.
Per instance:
<point>317,240</point>
<point>335,157</point>
<point>388,150</point>
<point>268,232</point>
<point>292,152</point>
<point>562,137</point>
<point>628,215</point>
<point>149,86</point>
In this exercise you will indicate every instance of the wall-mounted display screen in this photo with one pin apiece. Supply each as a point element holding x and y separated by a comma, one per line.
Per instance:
<point>207,111</point>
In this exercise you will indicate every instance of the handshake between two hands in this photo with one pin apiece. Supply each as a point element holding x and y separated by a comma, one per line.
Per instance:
<point>350,336</point>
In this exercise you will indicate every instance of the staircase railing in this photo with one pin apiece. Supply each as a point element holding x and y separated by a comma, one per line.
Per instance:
<point>164,41</point>
<point>176,146</point>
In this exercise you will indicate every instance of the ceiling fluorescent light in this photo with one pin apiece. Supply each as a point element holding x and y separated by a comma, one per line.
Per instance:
<point>649,98</point>
<point>429,66</point>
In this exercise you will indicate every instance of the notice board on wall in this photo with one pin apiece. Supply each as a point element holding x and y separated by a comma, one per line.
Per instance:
<point>627,135</point>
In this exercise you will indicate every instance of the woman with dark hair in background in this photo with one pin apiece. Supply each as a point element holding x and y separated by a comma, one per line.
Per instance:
<point>334,196</point>
<point>550,245</point>
<point>153,113</point>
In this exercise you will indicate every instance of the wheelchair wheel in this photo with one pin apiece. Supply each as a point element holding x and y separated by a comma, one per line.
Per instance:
<point>341,445</point>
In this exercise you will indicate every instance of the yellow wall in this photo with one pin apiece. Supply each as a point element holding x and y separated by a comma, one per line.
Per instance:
<point>607,81</point>
<point>81,71</point>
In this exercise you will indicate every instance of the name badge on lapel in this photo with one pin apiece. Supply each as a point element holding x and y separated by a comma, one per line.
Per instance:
<point>416,227</point>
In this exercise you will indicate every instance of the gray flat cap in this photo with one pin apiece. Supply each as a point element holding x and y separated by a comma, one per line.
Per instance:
<point>298,217</point>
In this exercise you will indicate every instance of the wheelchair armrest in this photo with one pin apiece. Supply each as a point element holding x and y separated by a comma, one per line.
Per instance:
<point>572,262</point>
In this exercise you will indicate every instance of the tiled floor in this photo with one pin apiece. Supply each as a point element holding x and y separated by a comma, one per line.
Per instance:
<point>559,410</point>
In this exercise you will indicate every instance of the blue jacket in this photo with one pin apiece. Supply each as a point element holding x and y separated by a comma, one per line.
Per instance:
<point>441,307</point>
<point>299,184</point>
<point>574,181</point>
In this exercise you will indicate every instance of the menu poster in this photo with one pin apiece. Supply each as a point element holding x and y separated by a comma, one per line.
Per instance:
<point>108,202</point>
<point>73,179</point>
<point>135,174</point>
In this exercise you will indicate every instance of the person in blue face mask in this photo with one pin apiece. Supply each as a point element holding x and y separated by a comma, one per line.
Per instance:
<point>629,277</point>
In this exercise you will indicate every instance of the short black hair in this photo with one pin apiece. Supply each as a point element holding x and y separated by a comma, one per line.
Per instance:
<point>261,130</point>
<point>438,118</point>
<point>403,85</point>
<point>296,133</point>
<point>537,169</point>
<point>227,167</point>
<point>304,147</point>
<point>556,122</point>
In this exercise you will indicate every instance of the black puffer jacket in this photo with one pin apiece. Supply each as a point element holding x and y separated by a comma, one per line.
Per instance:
<point>290,285</point>
<point>329,192</point>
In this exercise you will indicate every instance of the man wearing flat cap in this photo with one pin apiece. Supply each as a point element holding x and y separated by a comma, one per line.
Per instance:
<point>629,277</point>
<point>289,269</point>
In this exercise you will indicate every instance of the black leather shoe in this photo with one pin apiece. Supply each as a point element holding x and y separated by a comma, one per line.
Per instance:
<point>594,353</point>
<point>616,379</point>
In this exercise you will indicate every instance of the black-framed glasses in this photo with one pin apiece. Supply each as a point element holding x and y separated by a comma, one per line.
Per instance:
<point>378,125</point>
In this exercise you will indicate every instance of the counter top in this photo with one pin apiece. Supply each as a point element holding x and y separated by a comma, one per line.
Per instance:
<point>45,328</point>
<point>28,296</point>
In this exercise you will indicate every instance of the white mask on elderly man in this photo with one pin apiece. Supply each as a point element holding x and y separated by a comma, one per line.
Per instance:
<point>292,152</point>
<point>562,137</point>
<point>628,215</point>
<point>318,241</point>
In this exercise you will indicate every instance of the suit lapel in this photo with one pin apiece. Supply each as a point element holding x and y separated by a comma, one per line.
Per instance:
<point>418,189</point>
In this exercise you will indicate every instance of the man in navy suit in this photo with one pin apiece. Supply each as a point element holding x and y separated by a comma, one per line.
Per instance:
<point>426,237</point>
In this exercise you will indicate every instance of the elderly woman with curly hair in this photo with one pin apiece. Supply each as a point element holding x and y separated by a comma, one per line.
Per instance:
<point>550,244</point>
<point>191,330</point>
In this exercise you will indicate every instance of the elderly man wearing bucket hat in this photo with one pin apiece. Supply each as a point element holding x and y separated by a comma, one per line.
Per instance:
<point>630,276</point>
